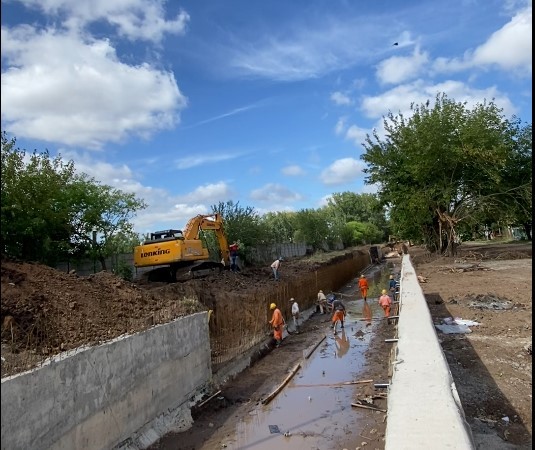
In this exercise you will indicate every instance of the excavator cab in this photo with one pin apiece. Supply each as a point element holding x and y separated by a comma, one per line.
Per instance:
<point>165,235</point>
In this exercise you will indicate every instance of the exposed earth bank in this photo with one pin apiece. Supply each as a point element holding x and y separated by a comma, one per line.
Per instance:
<point>45,311</point>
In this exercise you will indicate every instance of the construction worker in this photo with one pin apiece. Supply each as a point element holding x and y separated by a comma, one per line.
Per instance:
<point>275,267</point>
<point>295,313</point>
<point>277,322</point>
<point>363,286</point>
<point>385,302</point>
<point>233,248</point>
<point>339,314</point>
<point>392,287</point>
<point>322,302</point>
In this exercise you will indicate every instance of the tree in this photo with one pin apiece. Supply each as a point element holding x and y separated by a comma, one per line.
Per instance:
<point>312,228</point>
<point>35,223</point>
<point>100,217</point>
<point>443,166</point>
<point>363,233</point>
<point>360,207</point>
<point>242,223</point>
<point>280,226</point>
<point>49,211</point>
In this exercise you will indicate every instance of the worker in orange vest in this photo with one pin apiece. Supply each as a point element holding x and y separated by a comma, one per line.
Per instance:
<point>385,301</point>
<point>363,286</point>
<point>277,322</point>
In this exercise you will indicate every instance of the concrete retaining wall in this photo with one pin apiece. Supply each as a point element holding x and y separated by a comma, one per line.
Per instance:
<point>122,394</point>
<point>424,410</point>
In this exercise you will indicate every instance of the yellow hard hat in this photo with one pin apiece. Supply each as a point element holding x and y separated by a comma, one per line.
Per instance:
<point>383,291</point>
<point>362,276</point>
<point>272,306</point>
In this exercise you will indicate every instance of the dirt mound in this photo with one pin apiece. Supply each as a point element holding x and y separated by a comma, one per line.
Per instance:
<point>45,311</point>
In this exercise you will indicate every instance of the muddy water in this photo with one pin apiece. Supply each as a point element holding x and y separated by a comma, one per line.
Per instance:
<point>314,409</point>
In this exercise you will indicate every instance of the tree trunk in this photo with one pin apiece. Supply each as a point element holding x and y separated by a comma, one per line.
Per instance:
<point>527,229</point>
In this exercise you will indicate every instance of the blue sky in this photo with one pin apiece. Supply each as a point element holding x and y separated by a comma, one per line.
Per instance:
<point>266,103</point>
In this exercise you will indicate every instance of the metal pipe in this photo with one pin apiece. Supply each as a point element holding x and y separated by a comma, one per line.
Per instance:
<point>381,385</point>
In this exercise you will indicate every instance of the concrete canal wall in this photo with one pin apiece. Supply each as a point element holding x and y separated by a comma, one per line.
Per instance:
<point>124,394</point>
<point>424,410</point>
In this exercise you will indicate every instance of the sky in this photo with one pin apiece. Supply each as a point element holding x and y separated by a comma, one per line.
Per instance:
<point>264,103</point>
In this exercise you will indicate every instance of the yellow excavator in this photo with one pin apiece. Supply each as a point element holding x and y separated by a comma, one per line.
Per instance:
<point>177,255</point>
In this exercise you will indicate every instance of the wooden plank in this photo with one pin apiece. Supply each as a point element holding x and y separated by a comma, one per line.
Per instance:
<point>279,388</point>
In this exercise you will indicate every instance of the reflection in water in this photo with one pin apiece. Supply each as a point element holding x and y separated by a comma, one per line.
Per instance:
<point>366,311</point>
<point>342,344</point>
<point>314,408</point>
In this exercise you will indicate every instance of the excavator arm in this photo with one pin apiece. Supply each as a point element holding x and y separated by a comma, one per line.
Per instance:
<point>209,222</point>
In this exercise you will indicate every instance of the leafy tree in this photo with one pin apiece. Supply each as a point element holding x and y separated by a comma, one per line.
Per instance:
<point>441,167</point>
<point>363,233</point>
<point>242,223</point>
<point>49,211</point>
<point>35,223</point>
<point>100,213</point>
<point>312,228</point>
<point>279,226</point>
<point>360,207</point>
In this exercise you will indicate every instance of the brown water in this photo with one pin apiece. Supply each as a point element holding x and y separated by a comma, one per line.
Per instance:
<point>314,410</point>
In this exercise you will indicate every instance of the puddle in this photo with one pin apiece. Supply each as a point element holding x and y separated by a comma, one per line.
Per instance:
<point>314,411</point>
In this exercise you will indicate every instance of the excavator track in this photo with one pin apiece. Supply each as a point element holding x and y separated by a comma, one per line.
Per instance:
<point>181,273</point>
<point>198,270</point>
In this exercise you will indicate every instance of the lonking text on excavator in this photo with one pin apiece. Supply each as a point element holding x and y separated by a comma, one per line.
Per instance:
<point>177,255</point>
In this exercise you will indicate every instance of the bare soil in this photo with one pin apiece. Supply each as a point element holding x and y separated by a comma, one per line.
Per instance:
<point>491,284</point>
<point>45,311</point>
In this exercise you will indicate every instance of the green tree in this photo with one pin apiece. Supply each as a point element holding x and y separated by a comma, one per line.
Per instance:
<point>49,211</point>
<point>312,228</point>
<point>242,223</point>
<point>441,167</point>
<point>279,226</point>
<point>99,213</point>
<point>362,208</point>
<point>363,233</point>
<point>35,222</point>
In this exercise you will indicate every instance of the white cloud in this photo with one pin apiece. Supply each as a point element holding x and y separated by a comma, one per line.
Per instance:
<point>324,201</point>
<point>61,88</point>
<point>398,99</point>
<point>305,50</point>
<point>133,19</point>
<point>341,99</point>
<point>293,171</point>
<point>167,216</point>
<point>340,125</point>
<point>356,134</point>
<point>194,161</point>
<point>398,69</point>
<point>274,193</point>
<point>510,48</point>
<point>208,193</point>
<point>164,209</point>
<point>345,170</point>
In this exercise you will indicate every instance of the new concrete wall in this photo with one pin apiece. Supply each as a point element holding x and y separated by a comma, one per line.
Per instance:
<point>424,410</point>
<point>123,394</point>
